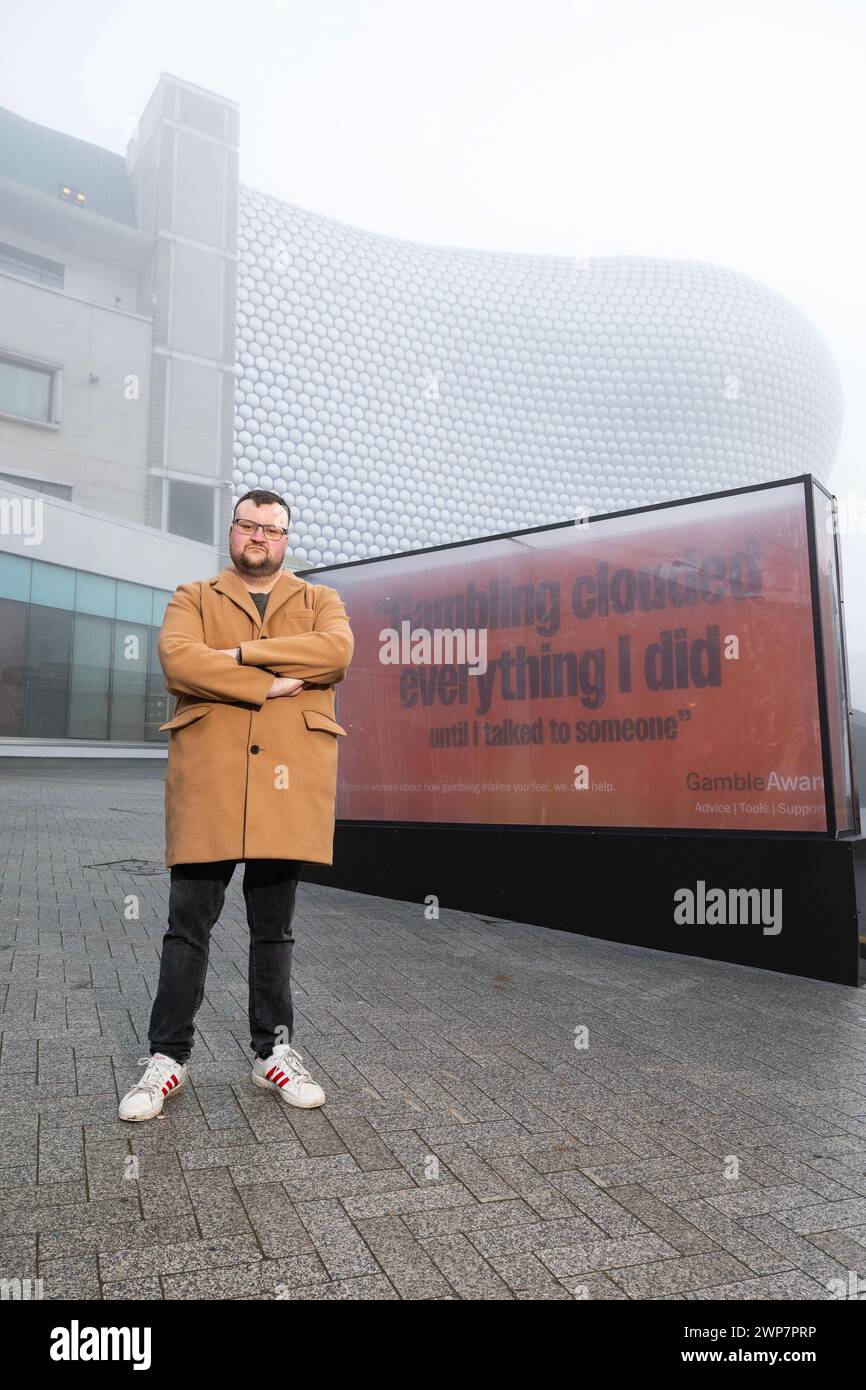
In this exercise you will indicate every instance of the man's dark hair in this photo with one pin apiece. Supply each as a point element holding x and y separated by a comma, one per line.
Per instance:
<point>261,497</point>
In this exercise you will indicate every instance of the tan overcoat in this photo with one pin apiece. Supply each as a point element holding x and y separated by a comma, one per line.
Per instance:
<point>250,777</point>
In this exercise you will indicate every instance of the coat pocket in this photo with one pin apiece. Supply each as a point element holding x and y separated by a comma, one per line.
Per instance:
<point>284,623</point>
<point>186,716</point>
<point>315,720</point>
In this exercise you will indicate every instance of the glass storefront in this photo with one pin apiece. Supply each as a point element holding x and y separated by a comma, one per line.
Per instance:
<point>78,655</point>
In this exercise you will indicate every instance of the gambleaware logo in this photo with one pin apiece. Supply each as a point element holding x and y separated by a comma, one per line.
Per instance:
<point>77,1343</point>
<point>714,907</point>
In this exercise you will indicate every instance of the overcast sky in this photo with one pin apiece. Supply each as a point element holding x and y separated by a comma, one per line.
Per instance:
<point>732,133</point>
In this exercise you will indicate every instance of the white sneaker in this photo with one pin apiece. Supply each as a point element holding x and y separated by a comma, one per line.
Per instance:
<point>285,1073</point>
<point>162,1076</point>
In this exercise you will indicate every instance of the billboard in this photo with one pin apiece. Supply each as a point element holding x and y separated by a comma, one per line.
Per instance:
<point>657,669</point>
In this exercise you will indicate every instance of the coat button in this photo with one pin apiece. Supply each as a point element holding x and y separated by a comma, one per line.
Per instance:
<point>254,748</point>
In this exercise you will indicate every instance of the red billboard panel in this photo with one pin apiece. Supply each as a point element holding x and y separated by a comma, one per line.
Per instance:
<point>652,670</point>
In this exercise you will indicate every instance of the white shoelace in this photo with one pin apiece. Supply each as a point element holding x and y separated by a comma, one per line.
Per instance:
<point>155,1076</point>
<point>292,1061</point>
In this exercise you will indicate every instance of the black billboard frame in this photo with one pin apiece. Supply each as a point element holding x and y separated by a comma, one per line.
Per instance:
<point>528,873</point>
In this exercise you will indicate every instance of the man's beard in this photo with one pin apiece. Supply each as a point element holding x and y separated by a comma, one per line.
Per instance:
<point>262,567</point>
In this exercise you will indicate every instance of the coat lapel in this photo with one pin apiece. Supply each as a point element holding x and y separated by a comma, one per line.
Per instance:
<point>229,583</point>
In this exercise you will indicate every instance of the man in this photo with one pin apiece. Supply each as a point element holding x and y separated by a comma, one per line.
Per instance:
<point>253,656</point>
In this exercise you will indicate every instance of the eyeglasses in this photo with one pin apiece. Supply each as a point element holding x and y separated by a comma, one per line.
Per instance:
<point>249,528</point>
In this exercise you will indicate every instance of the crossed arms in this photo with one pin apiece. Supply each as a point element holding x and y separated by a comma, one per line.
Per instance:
<point>191,667</point>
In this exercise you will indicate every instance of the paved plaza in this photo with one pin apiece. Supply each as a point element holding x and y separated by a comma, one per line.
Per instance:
<point>709,1141</point>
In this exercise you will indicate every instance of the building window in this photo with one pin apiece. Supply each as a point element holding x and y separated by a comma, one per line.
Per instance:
<point>13,665</point>
<point>26,390</point>
<point>79,655</point>
<point>191,510</point>
<point>14,261</point>
<point>49,660</point>
<point>38,485</point>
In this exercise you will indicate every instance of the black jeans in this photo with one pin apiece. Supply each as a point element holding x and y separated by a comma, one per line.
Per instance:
<point>196,897</point>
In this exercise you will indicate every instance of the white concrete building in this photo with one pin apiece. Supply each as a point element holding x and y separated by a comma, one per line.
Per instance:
<point>169,339</point>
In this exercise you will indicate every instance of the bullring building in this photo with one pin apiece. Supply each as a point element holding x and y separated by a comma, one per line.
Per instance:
<point>170,338</point>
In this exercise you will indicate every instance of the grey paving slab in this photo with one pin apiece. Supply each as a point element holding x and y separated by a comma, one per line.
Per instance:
<point>470,1217</point>
<point>278,1228</point>
<point>28,1195</point>
<point>771,1288</point>
<point>824,1216</point>
<point>368,1289</point>
<point>216,1203</point>
<point>468,1273</point>
<point>732,1237</point>
<point>341,1248</point>
<point>133,1234</point>
<point>102,1212</point>
<point>18,1256</point>
<point>134,1290</point>
<point>403,1259</point>
<point>76,1276</point>
<point>466,1150</point>
<point>839,1245</point>
<point>656,1216</point>
<point>665,1278</point>
<point>527,1277</point>
<point>593,1256</point>
<point>208,1253</point>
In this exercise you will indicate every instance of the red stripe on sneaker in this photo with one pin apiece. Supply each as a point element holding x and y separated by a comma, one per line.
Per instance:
<point>271,1072</point>
<point>284,1080</point>
<point>174,1080</point>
